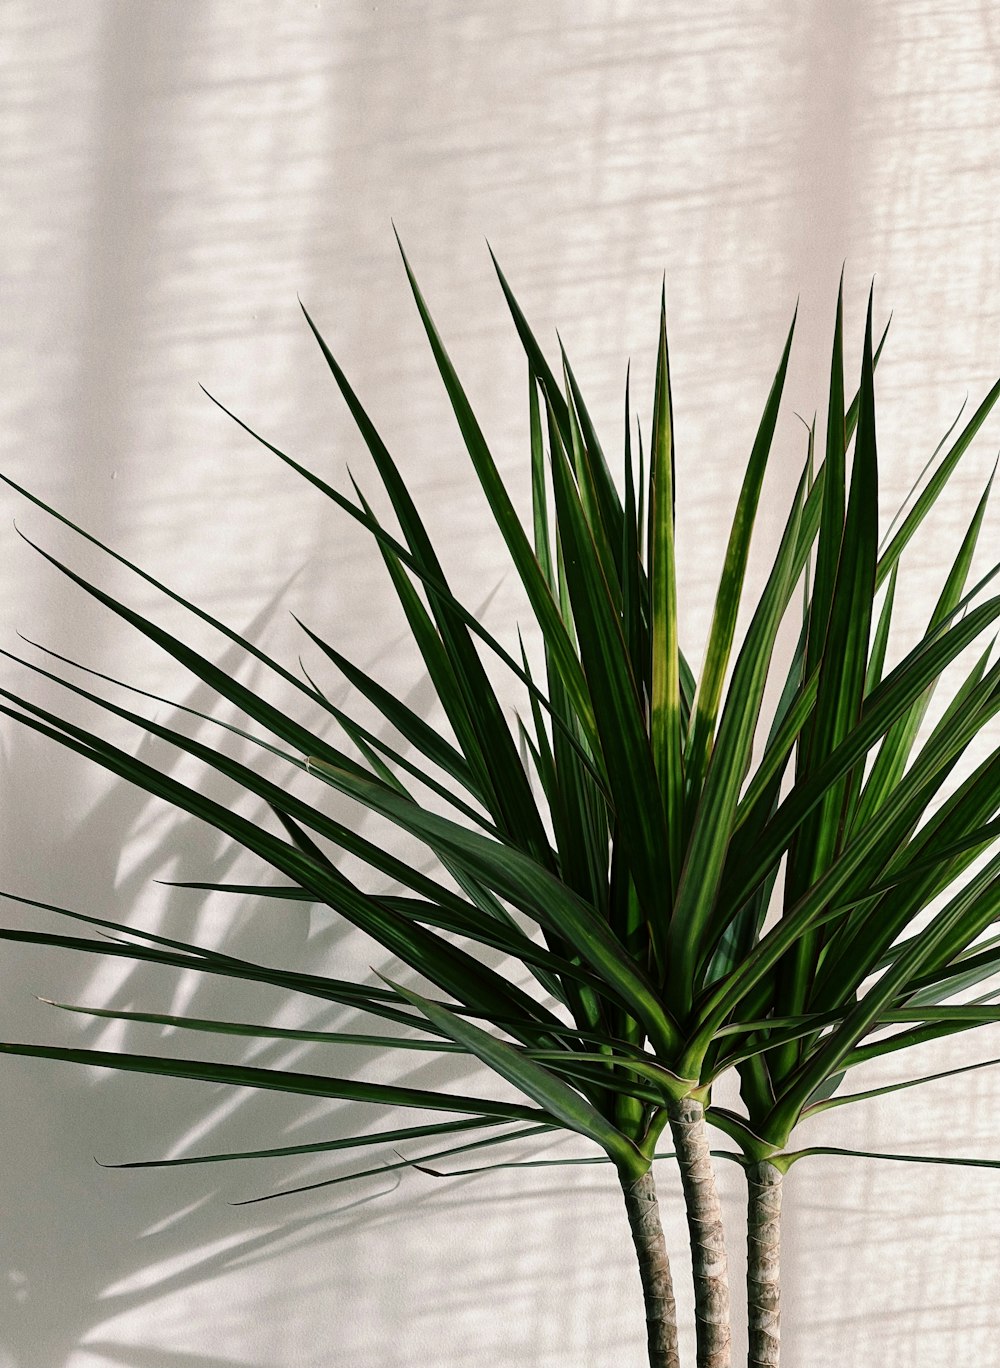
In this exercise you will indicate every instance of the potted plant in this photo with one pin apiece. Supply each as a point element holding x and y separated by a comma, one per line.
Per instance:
<point>622,848</point>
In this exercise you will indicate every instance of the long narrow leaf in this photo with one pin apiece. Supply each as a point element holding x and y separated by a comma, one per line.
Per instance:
<point>706,853</point>
<point>282,1080</point>
<point>387,1137</point>
<point>730,592</point>
<point>446,965</point>
<point>538,893</point>
<point>556,1098</point>
<point>628,761</point>
<point>665,703</point>
<point>935,485</point>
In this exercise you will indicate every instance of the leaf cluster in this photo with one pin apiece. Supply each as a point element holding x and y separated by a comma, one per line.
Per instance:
<point>621,848</point>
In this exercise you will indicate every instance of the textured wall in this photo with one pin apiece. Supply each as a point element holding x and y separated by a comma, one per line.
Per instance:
<point>173,173</point>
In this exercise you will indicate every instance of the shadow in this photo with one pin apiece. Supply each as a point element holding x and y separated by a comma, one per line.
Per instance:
<point>226,161</point>
<point>116,1245</point>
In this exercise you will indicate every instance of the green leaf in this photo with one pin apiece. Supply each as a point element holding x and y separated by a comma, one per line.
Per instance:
<point>543,897</point>
<point>905,1040</point>
<point>445,965</point>
<point>761,800</point>
<point>713,824</point>
<point>310,1085</point>
<point>528,568</point>
<point>637,1063</point>
<point>911,792</point>
<point>552,1163</point>
<point>827,1103</point>
<point>838,638</point>
<point>276,720</point>
<point>730,592</point>
<point>635,591</point>
<point>291,892</point>
<point>184,947</point>
<point>880,642</point>
<point>256,1031</point>
<point>425,738</point>
<point>164,589</point>
<point>380,1169</point>
<point>751,863</point>
<point>607,504</point>
<point>539,497</point>
<point>898,741</point>
<point>793,1156</point>
<point>374,1001</point>
<point>591,501</point>
<point>342,835</point>
<point>392,549</point>
<point>779,747</point>
<point>556,1098</point>
<point>387,1137</point>
<point>664,703</point>
<point>625,747</point>
<point>831,529</point>
<point>913,878</point>
<point>901,510</point>
<point>965,970</point>
<point>469,698</point>
<point>832,1051</point>
<point>935,485</point>
<point>536,358</point>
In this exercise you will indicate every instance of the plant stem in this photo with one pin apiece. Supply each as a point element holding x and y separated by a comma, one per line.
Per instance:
<point>763,1268</point>
<point>708,1245</point>
<point>654,1269</point>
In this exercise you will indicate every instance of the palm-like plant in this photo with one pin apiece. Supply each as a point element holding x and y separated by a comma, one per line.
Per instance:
<point>620,851</point>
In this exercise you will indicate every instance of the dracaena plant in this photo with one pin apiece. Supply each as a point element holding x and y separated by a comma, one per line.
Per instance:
<point>622,846</point>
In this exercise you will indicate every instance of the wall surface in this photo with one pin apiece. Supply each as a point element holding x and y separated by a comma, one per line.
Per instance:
<point>173,174</point>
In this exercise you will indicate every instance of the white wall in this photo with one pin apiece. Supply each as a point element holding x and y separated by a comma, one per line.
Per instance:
<point>173,174</point>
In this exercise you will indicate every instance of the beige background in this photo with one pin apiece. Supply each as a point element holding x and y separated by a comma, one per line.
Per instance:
<point>173,173</point>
